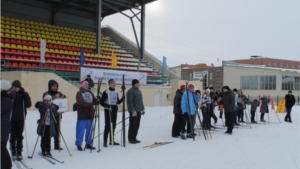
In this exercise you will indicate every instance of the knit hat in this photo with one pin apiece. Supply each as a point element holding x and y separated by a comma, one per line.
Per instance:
<point>47,97</point>
<point>182,87</point>
<point>211,88</point>
<point>135,81</point>
<point>5,85</point>
<point>191,85</point>
<point>83,82</point>
<point>111,81</point>
<point>226,87</point>
<point>16,83</point>
<point>235,90</point>
<point>207,90</point>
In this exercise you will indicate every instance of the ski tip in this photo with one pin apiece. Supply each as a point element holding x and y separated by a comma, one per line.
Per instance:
<point>71,155</point>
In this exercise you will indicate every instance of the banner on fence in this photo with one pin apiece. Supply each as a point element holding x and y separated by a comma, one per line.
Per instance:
<point>281,106</point>
<point>96,74</point>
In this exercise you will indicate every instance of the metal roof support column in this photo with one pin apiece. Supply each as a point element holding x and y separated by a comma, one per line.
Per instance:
<point>142,40</point>
<point>98,26</point>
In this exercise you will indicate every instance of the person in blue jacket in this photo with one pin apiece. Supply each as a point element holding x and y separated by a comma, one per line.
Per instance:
<point>189,109</point>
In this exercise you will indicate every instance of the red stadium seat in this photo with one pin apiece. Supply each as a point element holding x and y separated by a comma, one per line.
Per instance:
<point>2,57</point>
<point>36,44</point>
<point>35,66</point>
<point>46,67</point>
<point>21,64</point>
<point>74,69</point>
<point>13,57</point>
<point>6,40</point>
<point>26,58</point>
<point>69,69</point>
<point>52,67</point>
<point>63,68</point>
<point>28,65</point>
<point>15,64</point>
<point>58,67</point>
<point>77,69</point>
<point>29,43</point>
<point>20,58</point>
<point>8,64</point>
<point>19,42</point>
<point>13,41</point>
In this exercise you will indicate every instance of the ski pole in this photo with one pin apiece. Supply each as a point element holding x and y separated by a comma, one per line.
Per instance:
<point>120,130</point>
<point>98,130</point>
<point>92,127</point>
<point>61,134</point>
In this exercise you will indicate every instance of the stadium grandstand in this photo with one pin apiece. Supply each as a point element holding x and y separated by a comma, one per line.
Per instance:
<point>67,26</point>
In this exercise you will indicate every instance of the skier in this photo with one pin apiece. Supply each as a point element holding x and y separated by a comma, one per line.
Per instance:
<point>289,103</point>
<point>236,112</point>
<point>206,106</point>
<point>264,107</point>
<point>240,106</point>
<point>228,102</point>
<point>254,106</point>
<point>90,81</point>
<point>214,98</point>
<point>7,100</point>
<point>53,91</point>
<point>46,123</point>
<point>110,110</point>
<point>188,110</point>
<point>135,108</point>
<point>85,114</point>
<point>21,103</point>
<point>176,129</point>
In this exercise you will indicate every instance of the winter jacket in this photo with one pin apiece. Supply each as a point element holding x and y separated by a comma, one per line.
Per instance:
<point>193,100</point>
<point>85,110</point>
<point>21,103</point>
<point>289,100</point>
<point>134,100</point>
<point>254,105</point>
<point>213,96</point>
<point>44,109</point>
<point>7,101</point>
<point>206,100</point>
<point>264,105</point>
<point>52,93</point>
<point>228,101</point>
<point>91,82</point>
<point>114,99</point>
<point>177,102</point>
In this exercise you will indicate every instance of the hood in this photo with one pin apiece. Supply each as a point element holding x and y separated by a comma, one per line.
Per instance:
<point>50,83</point>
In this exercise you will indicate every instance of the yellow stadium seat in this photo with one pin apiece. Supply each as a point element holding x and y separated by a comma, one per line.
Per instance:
<point>27,26</point>
<point>51,51</point>
<point>19,33</point>
<point>28,38</point>
<point>30,48</point>
<point>32,26</point>
<point>56,51</point>
<point>22,21</point>
<point>36,49</point>
<point>49,41</point>
<point>6,45</point>
<point>19,47</point>
<point>13,46</point>
<point>3,18</point>
<point>54,42</point>
<point>28,34</point>
<point>12,27</point>
<point>61,51</point>
<point>47,50</point>
<point>36,39</point>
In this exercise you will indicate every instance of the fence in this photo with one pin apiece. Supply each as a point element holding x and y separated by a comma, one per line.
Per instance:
<point>275,98</point>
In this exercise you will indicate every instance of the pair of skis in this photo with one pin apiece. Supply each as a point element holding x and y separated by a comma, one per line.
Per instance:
<point>50,159</point>
<point>20,164</point>
<point>156,144</point>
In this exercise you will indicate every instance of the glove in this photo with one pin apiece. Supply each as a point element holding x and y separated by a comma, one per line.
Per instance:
<point>134,114</point>
<point>37,104</point>
<point>143,112</point>
<point>96,102</point>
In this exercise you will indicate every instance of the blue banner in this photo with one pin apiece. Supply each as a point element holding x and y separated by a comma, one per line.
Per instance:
<point>82,58</point>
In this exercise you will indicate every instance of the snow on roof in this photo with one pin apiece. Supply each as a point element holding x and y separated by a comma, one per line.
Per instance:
<point>263,67</point>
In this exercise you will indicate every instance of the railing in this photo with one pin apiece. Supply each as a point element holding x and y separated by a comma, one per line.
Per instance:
<point>134,44</point>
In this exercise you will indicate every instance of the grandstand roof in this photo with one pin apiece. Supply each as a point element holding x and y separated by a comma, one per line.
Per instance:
<point>90,5</point>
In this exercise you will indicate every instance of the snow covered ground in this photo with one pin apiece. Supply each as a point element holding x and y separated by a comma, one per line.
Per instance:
<point>265,146</point>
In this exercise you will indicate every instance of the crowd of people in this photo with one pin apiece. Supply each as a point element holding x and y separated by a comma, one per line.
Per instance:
<point>188,102</point>
<point>15,101</point>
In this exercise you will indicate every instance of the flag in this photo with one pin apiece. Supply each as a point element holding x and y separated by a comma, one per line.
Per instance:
<point>82,58</point>
<point>139,66</point>
<point>281,106</point>
<point>164,66</point>
<point>43,50</point>
<point>114,60</point>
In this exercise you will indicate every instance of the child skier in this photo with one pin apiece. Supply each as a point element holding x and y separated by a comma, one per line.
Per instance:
<point>254,106</point>
<point>46,123</point>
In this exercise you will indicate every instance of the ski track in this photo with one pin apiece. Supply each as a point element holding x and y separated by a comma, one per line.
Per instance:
<point>274,145</point>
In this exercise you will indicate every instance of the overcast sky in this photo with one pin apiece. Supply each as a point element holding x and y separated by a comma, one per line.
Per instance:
<point>200,31</point>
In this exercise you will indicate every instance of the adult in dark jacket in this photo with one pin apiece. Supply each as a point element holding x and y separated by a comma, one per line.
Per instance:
<point>22,101</point>
<point>7,99</point>
<point>90,81</point>
<point>177,112</point>
<point>46,123</point>
<point>85,114</point>
<point>110,111</point>
<point>289,103</point>
<point>53,91</point>
<point>264,107</point>
<point>228,101</point>
<point>135,108</point>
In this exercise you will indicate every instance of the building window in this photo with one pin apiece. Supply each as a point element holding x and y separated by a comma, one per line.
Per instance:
<point>275,64</point>
<point>290,83</point>
<point>293,66</point>
<point>287,65</point>
<point>280,64</point>
<point>210,75</point>
<point>258,82</point>
<point>269,63</point>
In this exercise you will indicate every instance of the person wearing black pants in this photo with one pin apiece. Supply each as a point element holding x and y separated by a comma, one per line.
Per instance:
<point>206,109</point>
<point>7,100</point>
<point>176,128</point>
<point>46,140</point>
<point>21,103</point>
<point>135,108</point>
<point>228,102</point>
<point>289,103</point>
<point>110,101</point>
<point>214,98</point>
